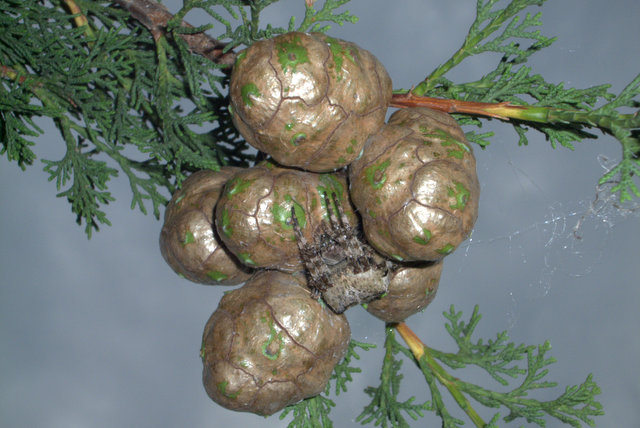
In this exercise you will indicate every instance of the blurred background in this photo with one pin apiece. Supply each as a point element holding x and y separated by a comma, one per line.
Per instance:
<point>102,333</point>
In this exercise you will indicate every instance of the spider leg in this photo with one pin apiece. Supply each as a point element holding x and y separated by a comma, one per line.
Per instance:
<point>337,230</point>
<point>347,238</point>
<point>317,271</point>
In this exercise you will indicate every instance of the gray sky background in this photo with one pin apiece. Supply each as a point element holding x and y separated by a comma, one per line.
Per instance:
<point>101,333</point>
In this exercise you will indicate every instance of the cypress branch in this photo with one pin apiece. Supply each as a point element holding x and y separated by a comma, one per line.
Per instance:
<point>140,87</point>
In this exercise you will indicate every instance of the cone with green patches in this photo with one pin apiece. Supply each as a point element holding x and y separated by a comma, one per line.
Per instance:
<point>270,344</point>
<point>189,242</point>
<point>308,100</point>
<point>416,186</point>
<point>253,216</point>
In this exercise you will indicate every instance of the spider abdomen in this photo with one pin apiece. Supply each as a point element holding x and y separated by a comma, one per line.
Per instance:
<point>349,288</point>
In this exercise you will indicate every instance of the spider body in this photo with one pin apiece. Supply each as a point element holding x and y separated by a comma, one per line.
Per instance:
<point>341,267</point>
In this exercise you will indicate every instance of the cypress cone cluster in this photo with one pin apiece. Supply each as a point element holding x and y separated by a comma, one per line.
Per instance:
<point>316,105</point>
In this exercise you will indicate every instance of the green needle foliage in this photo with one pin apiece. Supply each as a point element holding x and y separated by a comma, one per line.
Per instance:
<point>563,115</point>
<point>248,12</point>
<point>310,413</point>
<point>342,371</point>
<point>130,98</point>
<point>385,410</point>
<point>121,98</point>
<point>502,360</point>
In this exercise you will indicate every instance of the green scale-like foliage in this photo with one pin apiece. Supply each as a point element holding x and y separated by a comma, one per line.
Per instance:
<point>106,90</point>
<point>130,100</point>
<point>504,361</point>
<point>562,114</point>
<point>109,86</point>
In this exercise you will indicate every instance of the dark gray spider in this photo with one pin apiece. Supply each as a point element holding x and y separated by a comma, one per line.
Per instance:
<point>339,265</point>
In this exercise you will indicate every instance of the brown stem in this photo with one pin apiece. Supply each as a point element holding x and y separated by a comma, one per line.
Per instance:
<point>495,110</point>
<point>155,16</point>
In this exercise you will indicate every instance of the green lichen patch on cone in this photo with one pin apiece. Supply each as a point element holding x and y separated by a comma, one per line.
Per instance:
<point>188,241</point>
<point>291,54</point>
<point>270,344</point>
<point>319,97</point>
<point>255,223</point>
<point>416,186</point>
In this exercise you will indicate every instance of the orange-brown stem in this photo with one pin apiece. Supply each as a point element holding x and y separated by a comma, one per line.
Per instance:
<point>496,110</point>
<point>412,339</point>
